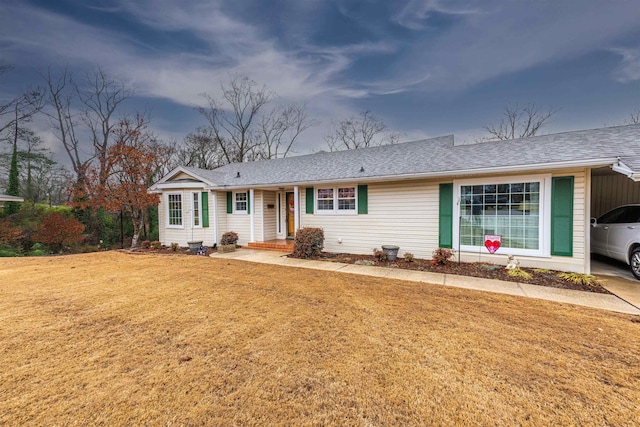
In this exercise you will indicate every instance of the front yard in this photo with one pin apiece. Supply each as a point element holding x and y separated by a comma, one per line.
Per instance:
<point>116,339</point>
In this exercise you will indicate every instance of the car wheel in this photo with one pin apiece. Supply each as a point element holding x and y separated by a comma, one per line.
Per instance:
<point>634,261</point>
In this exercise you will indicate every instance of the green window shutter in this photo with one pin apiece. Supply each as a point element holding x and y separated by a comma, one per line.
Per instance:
<point>205,209</point>
<point>445,216</point>
<point>309,200</point>
<point>248,202</point>
<point>562,216</point>
<point>229,202</point>
<point>363,199</point>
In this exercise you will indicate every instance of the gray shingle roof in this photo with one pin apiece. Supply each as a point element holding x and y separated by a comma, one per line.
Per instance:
<point>435,156</point>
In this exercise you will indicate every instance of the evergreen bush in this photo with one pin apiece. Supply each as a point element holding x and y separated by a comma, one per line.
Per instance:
<point>308,243</point>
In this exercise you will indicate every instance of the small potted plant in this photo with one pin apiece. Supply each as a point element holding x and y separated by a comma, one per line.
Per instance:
<point>194,246</point>
<point>228,242</point>
<point>391,251</point>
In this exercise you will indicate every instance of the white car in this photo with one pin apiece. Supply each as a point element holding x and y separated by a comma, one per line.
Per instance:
<point>616,235</point>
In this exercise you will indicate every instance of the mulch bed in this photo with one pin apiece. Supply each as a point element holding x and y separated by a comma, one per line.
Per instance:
<point>475,269</point>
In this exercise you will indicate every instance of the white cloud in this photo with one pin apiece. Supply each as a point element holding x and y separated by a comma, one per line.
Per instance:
<point>498,38</point>
<point>416,13</point>
<point>629,69</point>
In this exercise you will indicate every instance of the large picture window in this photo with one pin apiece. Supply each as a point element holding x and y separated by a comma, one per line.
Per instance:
<point>511,210</point>
<point>336,200</point>
<point>174,209</point>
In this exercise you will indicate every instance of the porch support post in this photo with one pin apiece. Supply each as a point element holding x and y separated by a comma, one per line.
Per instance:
<point>252,216</point>
<point>296,209</point>
<point>214,199</point>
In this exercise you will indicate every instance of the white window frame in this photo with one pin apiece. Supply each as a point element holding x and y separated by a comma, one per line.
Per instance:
<point>168,210</point>
<point>544,225</point>
<point>235,202</point>
<point>196,198</point>
<point>335,210</point>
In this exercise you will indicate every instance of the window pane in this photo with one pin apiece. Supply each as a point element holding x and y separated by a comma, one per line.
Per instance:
<point>325,205</point>
<point>196,209</point>
<point>175,209</point>
<point>347,198</point>
<point>508,210</point>
<point>241,202</point>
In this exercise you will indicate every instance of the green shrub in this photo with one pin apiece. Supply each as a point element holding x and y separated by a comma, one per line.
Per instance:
<point>175,247</point>
<point>229,238</point>
<point>408,256</point>
<point>8,252</point>
<point>308,243</point>
<point>442,256</point>
<point>37,249</point>
<point>155,244</point>
<point>579,279</point>
<point>519,273</point>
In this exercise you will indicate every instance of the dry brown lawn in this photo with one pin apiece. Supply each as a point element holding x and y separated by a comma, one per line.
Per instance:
<point>116,339</point>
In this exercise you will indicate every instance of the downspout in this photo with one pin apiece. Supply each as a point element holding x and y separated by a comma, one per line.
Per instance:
<point>214,199</point>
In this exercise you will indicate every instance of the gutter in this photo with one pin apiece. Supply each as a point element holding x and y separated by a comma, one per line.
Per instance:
<point>625,170</point>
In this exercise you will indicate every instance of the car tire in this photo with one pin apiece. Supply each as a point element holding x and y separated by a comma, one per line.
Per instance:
<point>634,262</point>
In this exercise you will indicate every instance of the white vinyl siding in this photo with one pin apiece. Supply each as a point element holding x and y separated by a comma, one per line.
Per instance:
<point>399,213</point>
<point>405,213</point>
<point>187,232</point>
<point>270,209</point>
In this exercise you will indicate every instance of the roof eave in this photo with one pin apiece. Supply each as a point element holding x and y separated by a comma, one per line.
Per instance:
<point>609,161</point>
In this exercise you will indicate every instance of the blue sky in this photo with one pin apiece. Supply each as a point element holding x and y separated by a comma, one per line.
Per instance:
<point>426,67</point>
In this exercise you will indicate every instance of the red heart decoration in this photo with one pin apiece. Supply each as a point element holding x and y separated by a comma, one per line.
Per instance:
<point>492,245</point>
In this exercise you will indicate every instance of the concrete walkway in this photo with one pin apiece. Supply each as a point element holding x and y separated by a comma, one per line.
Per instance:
<point>587,299</point>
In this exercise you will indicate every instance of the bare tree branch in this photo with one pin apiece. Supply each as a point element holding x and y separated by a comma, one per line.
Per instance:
<point>364,130</point>
<point>520,122</point>
<point>280,129</point>
<point>239,126</point>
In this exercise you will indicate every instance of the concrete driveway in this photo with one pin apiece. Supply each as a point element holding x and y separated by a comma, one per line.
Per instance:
<point>617,278</point>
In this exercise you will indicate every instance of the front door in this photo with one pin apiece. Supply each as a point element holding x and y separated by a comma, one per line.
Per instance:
<point>291,223</point>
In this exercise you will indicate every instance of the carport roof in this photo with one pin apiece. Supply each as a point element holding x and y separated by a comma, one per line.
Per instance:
<point>439,156</point>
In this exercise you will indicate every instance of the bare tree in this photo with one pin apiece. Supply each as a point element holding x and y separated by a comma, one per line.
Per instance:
<point>520,122</point>
<point>635,117</point>
<point>20,109</point>
<point>101,98</point>
<point>63,119</point>
<point>232,119</point>
<point>363,130</point>
<point>201,149</point>
<point>280,129</point>
<point>242,127</point>
<point>77,110</point>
